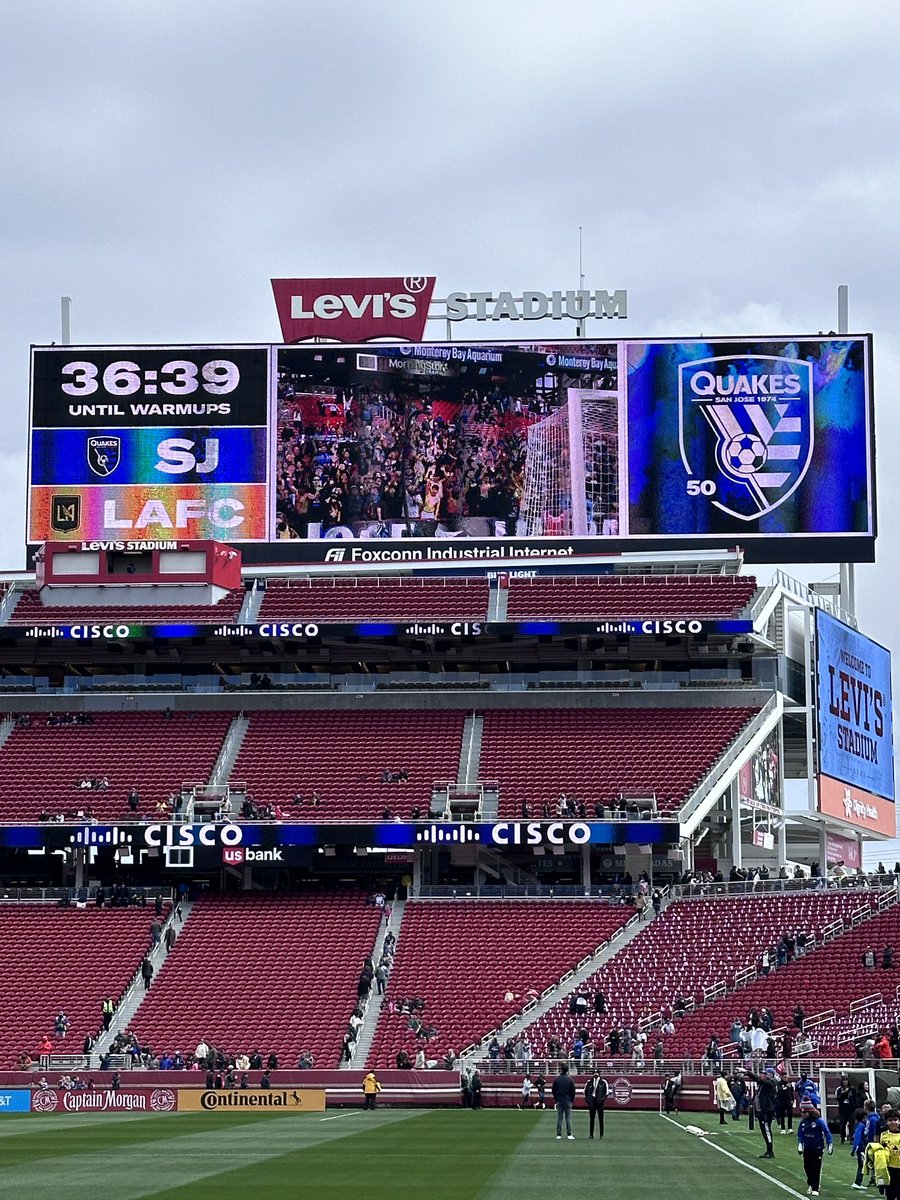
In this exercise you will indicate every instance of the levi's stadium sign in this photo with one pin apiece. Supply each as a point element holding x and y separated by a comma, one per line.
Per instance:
<point>359,310</point>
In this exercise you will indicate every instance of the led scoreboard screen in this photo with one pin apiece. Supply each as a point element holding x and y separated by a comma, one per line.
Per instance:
<point>162,442</point>
<point>439,455</point>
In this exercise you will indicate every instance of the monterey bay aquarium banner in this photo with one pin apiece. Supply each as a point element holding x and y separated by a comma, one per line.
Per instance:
<point>436,454</point>
<point>855,727</point>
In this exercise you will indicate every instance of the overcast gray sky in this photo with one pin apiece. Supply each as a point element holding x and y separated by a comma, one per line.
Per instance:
<point>731,164</point>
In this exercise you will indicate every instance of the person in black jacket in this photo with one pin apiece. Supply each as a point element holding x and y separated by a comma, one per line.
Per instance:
<point>595,1093</point>
<point>764,1106</point>
<point>564,1095</point>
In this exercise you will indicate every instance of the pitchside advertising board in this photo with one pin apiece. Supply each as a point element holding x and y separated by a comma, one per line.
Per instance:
<point>442,455</point>
<point>855,727</point>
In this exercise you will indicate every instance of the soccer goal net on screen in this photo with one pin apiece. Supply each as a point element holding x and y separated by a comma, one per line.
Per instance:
<point>572,469</point>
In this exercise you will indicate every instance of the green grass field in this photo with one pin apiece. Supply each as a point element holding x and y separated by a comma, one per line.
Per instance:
<point>395,1155</point>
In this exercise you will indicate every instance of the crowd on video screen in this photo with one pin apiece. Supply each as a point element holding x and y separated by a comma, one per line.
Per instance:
<point>373,461</point>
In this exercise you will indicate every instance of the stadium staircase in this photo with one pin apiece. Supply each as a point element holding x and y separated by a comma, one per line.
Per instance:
<point>470,751</point>
<point>498,604</point>
<point>559,992</point>
<point>136,993</point>
<point>9,602</point>
<point>231,748</point>
<point>253,599</point>
<point>366,1032</point>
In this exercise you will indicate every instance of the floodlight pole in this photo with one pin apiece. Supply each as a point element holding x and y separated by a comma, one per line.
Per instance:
<point>65,306</point>
<point>847,573</point>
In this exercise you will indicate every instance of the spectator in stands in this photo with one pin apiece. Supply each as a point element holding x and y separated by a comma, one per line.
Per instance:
<point>868,959</point>
<point>599,1003</point>
<point>146,971</point>
<point>134,800</point>
<point>404,1062</point>
<point>266,1081</point>
<point>272,1062</point>
<point>887,958</point>
<point>799,1017</point>
<point>61,1024</point>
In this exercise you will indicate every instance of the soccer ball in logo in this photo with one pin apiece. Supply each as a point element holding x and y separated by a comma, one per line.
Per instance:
<point>745,454</point>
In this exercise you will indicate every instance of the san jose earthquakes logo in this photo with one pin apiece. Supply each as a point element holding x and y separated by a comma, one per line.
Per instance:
<point>746,429</point>
<point>103,454</point>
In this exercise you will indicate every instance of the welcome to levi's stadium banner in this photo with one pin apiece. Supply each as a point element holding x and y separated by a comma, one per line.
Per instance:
<point>569,450</point>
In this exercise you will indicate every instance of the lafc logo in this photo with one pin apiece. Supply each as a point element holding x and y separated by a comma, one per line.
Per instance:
<point>65,513</point>
<point>746,430</point>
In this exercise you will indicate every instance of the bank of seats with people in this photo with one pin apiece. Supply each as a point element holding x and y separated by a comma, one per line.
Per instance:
<point>692,947</point>
<point>476,962</point>
<point>272,972</point>
<point>63,959</point>
<point>536,754</point>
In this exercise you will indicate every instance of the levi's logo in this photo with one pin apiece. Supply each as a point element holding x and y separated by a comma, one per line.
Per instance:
<point>353,309</point>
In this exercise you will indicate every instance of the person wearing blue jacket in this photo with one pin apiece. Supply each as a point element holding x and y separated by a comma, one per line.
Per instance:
<point>813,1137</point>
<point>858,1148</point>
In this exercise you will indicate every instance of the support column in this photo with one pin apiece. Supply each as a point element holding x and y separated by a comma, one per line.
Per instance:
<point>79,867</point>
<point>737,857</point>
<point>586,868</point>
<point>416,874</point>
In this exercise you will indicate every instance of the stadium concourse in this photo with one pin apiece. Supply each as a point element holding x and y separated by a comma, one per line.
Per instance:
<point>332,823</point>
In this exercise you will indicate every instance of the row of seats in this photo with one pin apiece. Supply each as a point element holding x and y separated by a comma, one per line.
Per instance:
<point>474,963</point>
<point>66,960</point>
<point>534,754</point>
<point>831,977</point>
<point>368,599</point>
<point>272,973</point>
<point>693,946</point>
<point>30,611</point>
<point>385,598</point>
<point>538,754</point>
<point>710,596</point>
<point>40,764</point>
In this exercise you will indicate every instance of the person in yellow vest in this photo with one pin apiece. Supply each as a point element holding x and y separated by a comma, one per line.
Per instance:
<point>724,1098</point>
<point>890,1141</point>
<point>371,1088</point>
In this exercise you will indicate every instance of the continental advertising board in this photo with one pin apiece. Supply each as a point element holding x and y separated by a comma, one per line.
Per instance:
<point>441,455</point>
<point>854,727</point>
<point>252,1100</point>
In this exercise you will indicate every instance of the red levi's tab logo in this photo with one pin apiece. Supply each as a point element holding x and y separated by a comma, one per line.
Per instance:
<point>353,310</point>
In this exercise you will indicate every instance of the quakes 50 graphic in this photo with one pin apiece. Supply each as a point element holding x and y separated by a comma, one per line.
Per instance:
<point>750,438</point>
<point>746,430</point>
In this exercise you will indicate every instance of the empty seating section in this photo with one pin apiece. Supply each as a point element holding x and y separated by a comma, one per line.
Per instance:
<point>41,764</point>
<point>376,599</point>
<point>694,945</point>
<point>341,755</point>
<point>63,959</point>
<point>30,611</point>
<point>596,754</point>
<point>629,596</point>
<point>269,973</point>
<point>463,957</point>
<point>831,977</point>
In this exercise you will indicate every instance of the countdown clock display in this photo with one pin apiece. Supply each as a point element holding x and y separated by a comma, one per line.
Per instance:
<point>84,387</point>
<point>159,442</point>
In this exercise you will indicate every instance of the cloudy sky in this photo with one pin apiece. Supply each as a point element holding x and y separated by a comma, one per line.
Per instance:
<point>730,164</point>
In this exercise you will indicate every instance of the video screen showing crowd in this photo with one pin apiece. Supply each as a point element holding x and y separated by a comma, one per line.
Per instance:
<point>403,454</point>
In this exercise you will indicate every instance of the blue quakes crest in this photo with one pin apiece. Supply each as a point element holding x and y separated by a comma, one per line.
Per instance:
<point>746,429</point>
<point>104,453</point>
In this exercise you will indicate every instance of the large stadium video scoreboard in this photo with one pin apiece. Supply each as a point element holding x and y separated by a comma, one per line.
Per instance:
<point>442,455</point>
